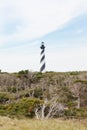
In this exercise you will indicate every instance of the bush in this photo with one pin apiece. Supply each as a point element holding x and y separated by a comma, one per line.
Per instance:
<point>12,89</point>
<point>23,107</point>
<point>38,75</point>
<point>3,97</point>
<point>74,73</point>
<point>3,111</point>
<point>76,113</point>
<point>38,92</point>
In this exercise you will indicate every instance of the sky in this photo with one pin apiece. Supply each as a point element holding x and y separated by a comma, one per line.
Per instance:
<point>60,24</point>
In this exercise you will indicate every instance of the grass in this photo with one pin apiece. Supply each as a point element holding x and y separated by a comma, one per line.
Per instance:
<point>32,124</point>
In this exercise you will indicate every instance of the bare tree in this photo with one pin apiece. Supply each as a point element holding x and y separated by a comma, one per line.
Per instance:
<point>49,109</point>
<point>80,90</point>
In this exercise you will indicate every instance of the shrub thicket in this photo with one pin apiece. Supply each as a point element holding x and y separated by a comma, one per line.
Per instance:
<point>22,92</point>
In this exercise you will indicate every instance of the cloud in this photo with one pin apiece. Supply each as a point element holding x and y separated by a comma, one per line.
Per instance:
<point>33,19</point>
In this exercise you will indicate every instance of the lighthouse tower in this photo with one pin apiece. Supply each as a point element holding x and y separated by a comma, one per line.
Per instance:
<point>42,60</point>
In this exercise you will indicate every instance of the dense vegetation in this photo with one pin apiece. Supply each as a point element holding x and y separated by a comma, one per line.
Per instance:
<point>43,95</point>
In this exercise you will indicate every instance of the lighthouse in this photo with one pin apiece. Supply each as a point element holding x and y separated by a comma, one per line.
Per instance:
<point>42,60</point>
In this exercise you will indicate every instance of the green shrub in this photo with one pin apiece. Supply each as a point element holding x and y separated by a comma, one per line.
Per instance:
<point>76,113</point>
<point>23,107</point>
<point>12,89</point>
<point>81,81</point>
<point>38,75</point>
<point>3,111</point>
<point>74,73</point>
<point>38,92</point>
<point>23,73</point>
<point>3,97</point>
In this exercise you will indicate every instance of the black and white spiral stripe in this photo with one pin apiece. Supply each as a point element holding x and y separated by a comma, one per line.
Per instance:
<point>42,60</point>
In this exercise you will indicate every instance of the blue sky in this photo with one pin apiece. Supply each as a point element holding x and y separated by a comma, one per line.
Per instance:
<point>61,24</point>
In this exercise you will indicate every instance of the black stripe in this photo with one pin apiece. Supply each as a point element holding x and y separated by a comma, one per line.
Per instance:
<point>43,57</point>
<point>42,68</point>
<point>42,51</point>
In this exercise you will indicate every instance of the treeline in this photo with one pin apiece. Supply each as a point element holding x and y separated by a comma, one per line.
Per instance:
<point>43,95</point>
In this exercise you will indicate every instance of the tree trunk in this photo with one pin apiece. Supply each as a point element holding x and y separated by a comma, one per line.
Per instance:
<point>43,109</point>
<point>78,102</point>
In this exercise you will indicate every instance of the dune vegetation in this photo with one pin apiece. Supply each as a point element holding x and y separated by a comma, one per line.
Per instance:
<point>43,95</point>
